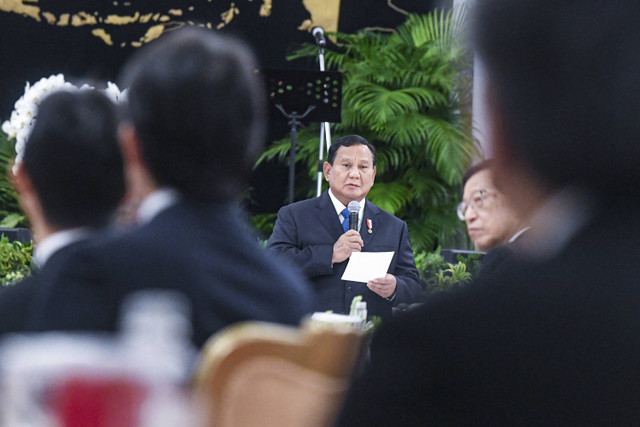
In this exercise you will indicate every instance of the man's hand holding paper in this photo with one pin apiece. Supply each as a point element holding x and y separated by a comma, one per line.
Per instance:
<point>371,268</point>
<point>367,266</point>
<point>383,286</point>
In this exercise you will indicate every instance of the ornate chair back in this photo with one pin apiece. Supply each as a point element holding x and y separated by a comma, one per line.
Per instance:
<point>261,374</point>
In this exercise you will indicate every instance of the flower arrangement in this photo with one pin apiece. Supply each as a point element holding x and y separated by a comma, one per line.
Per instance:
<point>23,116</point>
<point>15,257</point>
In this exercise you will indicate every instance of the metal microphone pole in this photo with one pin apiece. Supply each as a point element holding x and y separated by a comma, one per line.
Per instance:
<point>325,131</point>
<point>294,122</point>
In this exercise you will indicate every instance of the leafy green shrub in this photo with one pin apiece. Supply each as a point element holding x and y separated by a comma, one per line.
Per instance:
<point>11,214</point>
<point>438,275</point>
<point>15,260</point>
<point>264,223</point>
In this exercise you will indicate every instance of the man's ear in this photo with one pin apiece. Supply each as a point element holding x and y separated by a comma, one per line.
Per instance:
<point>130,145</point>
<point>30,203</point>
<point>326,168</point>
<point>22,181</point>
<point>140,181</point>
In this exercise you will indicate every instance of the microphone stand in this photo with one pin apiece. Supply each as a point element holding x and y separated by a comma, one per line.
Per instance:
<point>294,122</point>
<point>297,90</point>
<point>324,131</point>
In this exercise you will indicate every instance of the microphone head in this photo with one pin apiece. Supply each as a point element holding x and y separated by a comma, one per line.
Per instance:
<point>353,206</point>
<point>318,34</point>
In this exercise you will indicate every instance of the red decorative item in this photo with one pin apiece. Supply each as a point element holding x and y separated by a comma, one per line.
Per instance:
<point>99,401</point>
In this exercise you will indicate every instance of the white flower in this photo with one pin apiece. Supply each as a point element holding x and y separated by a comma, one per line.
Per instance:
<point>8,128</point>
<point>113,92</point>
<point>25,110</point>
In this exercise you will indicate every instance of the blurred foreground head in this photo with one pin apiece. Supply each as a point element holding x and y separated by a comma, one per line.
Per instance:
<point>566,89</point>
<point>72,161</point>
<point>197,107</point>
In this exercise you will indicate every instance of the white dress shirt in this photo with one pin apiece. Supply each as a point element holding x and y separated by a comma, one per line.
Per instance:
<point>156,202</point>
<point>340,207</point>
<point>56,241</point>
<point>557,221</point>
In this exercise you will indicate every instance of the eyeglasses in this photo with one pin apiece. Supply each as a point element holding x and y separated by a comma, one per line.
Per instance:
<point>477,200</point>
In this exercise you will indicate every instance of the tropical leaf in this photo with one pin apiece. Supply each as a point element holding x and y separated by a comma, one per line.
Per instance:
<point>11,220</point>
<point>9,204</point>
<point>390,196</point>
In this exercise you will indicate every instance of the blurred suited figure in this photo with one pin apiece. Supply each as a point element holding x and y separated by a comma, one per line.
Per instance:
<point>192,130</point>
<point>493,223</point>
<point>70,182</point>
<point>490,218</point>
<point>552,339</point>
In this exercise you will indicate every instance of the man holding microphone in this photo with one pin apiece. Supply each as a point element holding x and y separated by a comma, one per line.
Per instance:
<point>317,236</point>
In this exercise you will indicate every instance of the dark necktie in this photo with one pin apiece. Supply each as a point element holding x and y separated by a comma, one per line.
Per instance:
<point>345,221</point>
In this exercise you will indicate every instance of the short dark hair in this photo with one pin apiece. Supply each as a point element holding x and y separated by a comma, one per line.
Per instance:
<point>565,75</point>
<point>348,141</point>
<point>197,104</point>
<point>485,164</point>
<point>73,159</point>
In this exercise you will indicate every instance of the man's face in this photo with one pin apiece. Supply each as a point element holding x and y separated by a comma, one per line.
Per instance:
<point>493,223</point>
<point>352,173</point>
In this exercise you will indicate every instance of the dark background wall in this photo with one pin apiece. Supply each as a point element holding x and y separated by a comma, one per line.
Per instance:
<point>36,41</point>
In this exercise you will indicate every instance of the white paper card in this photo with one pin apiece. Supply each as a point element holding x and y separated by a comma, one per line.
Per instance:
<point>366,266</point>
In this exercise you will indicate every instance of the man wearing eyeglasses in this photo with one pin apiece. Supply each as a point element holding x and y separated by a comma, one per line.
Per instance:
<point>552,339</point>
<point>491,220</point>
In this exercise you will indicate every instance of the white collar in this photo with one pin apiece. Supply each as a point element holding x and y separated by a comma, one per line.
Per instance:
<point>518,234</point>
<point>56,241</point>
<point>339,207</point>
<point>156,202</point>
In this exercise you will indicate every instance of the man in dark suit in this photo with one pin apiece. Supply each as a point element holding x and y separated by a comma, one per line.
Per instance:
<point>490,217</point>
<point>553,339</point>
<point>493,223</point>
<point>193,128</point>
<point>70,182</point>
<point>313,234</point>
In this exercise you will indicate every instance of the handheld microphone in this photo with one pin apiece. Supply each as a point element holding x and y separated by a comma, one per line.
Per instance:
<point>354,208</point>
<point>318,34</point>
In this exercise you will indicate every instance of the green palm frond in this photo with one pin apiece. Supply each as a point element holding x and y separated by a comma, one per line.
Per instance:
<point>440,27</point>
<point>390,196</point>
<point>390,158</point>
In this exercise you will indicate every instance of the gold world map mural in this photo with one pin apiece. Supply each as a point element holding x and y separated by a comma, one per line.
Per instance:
<point>104,25</point>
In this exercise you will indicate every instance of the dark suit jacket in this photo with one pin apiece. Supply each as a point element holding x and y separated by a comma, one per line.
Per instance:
<point>550,342</point>
<point>496,258</point>
<point>17,300</point>
<point>305,233</point>
<point>202,250</point>
<point>501,255</point>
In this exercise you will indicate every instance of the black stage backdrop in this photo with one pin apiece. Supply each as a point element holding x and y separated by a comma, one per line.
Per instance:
<point>92,39</point>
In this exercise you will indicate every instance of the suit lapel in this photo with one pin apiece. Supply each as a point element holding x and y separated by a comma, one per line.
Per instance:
<point>371,213</point>
<point>327,216</point>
